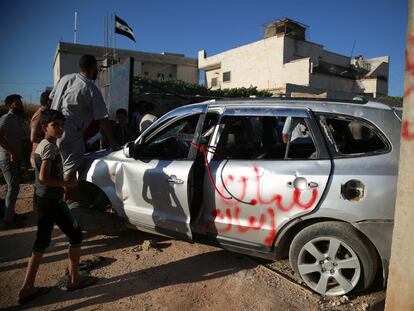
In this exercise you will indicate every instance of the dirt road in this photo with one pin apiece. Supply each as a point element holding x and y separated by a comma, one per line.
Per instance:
<point>168,275</point>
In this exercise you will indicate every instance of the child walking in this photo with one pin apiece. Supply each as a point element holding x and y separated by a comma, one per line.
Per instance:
<point>52,209</point>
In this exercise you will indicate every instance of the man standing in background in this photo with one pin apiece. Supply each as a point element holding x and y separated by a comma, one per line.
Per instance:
<point>81,102</point>
<point>148,118</point>
<point>122,132</point>
<point>11,154</point>
<point>36,132</point>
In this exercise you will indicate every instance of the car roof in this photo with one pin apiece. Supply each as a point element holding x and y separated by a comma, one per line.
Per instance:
<point>384,117</point>
<point>357,108</point>
<point>311,103</point>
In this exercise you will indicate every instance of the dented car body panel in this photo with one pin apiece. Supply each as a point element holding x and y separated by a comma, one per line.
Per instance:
<point>223,183</point>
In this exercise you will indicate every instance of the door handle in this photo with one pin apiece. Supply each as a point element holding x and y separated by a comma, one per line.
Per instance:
<point>312,184</point>
<point>173,180</point>
<point>301,184</point>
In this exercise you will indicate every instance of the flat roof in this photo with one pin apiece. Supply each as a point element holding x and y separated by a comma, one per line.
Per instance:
<point>165,57</point>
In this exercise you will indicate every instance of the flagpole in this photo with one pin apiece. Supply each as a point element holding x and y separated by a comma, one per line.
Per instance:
<point>107,36</point>
<point>109,33</point>
<point>75,28</point>
<point>113,29</point>
<point>104,37</point>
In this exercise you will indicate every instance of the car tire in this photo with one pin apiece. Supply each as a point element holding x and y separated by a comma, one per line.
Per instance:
<point>333,258</point>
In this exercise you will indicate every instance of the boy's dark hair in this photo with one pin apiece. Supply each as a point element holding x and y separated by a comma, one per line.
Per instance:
<point>121,111</point>
<point>11,99</point>
<point>44,98</point>
<point>50,115</point>
<point>87,62</point>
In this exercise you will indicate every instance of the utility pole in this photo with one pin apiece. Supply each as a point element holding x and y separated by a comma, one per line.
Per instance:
<point>400,292</point>
<point>75,28</point>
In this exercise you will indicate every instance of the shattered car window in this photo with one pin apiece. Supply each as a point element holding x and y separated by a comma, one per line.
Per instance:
<point>297,133</point>
<point>265,137</point>
<point>173,142</point>
<point>353,136</point>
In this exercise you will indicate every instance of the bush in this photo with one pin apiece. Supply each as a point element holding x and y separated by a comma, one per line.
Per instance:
<point>177,87</point>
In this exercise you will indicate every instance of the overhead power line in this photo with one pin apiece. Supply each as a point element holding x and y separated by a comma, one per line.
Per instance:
<point>3,82</point>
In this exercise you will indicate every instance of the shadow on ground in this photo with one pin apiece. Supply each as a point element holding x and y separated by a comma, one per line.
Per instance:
<point>90,246</point>
<point>198,268</point>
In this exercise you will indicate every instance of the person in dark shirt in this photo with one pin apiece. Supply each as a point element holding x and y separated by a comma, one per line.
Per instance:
<point>52,209</point>
<point>11,155</point>
<point>121,130</point>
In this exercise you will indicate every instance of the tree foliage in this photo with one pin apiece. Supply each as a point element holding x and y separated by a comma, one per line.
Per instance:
<point>391,100</point>
<point>177,87</point>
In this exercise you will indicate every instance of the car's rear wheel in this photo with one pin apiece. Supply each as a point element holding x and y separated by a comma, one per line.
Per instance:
<point>333,258</point>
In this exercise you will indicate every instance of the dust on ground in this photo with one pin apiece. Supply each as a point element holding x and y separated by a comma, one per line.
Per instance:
<point>147,272</point>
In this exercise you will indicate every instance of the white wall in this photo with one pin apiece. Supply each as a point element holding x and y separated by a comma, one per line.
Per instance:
<point>68,63</point>
<point>56,69</point>
<point>153,69</point>
<point>272,63</point>
<point>68,54</point>
<point>187,74</point>
<point>332,83</point>
<point>297,72</point>
<point>294,49</point>
<point>137,67</point>
<point>257,64</point>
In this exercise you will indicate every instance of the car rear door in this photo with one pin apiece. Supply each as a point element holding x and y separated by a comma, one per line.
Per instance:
<point>261,182</point>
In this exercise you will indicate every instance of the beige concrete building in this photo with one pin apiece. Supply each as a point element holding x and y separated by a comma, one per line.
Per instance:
<point>152,65</point>
<point>284,62</point>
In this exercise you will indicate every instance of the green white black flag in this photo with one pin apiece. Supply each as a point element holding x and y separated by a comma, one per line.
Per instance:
<point>122,28</point>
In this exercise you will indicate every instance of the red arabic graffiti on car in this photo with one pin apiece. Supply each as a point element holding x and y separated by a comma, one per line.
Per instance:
<point>231,215</point>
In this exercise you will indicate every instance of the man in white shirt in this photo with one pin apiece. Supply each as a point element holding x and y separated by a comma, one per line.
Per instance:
<point>81,102</point>
<point>299,131</point>
<point>148,117</point>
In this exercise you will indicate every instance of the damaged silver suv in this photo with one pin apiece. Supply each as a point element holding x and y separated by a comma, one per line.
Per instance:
<point>314,180</point>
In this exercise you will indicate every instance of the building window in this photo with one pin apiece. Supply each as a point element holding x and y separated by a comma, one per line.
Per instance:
<point>160,76</point>
<point>146,73</point>
<point>226,76</point>
<point>214,82</point>
<point>280,29</point>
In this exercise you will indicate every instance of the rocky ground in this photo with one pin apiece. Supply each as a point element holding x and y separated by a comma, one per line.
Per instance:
<point>146,272</point>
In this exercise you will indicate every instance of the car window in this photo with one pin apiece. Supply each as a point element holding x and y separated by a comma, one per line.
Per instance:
<point>265,137</point>
<point>173,142</point>
<point>209,125</point>
<point>297,136</point>
<point>352,136</point>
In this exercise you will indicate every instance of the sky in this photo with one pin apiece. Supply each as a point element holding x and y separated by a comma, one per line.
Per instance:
<point>30,31</point>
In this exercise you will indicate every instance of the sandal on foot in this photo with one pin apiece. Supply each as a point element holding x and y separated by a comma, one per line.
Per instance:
<point>84,282</point>
<point>39,291</point>
<point>90,264</point>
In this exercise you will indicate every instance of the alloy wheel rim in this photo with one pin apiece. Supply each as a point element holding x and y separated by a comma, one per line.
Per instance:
<point>329,266</point>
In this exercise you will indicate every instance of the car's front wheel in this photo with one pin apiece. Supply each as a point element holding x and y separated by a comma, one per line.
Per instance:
<point>333,258</point>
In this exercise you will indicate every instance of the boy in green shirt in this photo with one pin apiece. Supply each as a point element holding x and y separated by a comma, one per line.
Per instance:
<point>52,209</point>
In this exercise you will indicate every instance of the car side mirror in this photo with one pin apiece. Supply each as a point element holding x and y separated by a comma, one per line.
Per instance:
<point>129,149</point>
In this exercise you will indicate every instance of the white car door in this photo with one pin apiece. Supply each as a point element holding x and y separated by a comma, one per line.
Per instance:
<point>262,182</point>
<point>153,184</point>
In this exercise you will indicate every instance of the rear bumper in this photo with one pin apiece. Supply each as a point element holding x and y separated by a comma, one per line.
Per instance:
<point>379,232</point>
